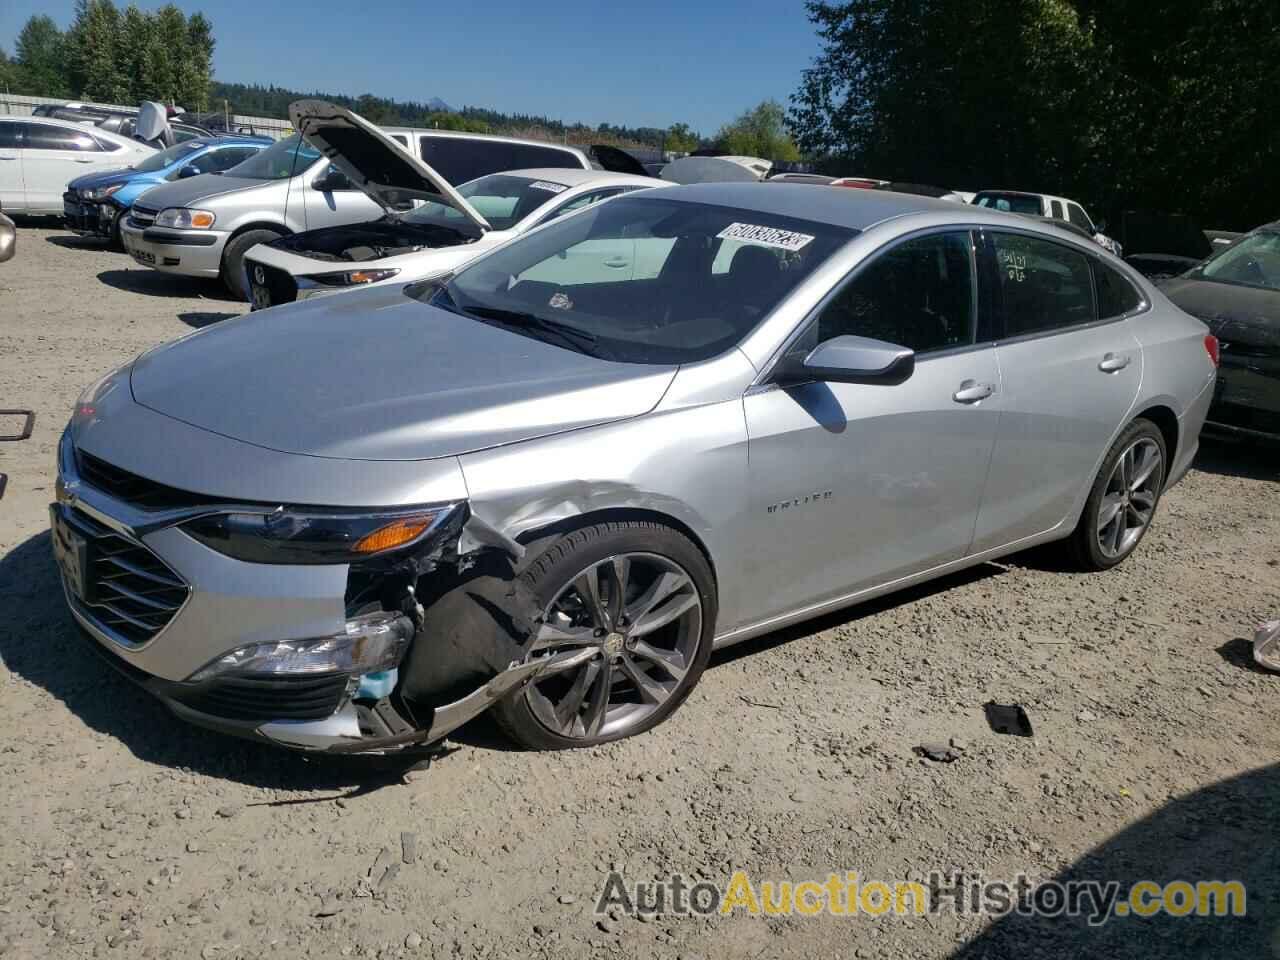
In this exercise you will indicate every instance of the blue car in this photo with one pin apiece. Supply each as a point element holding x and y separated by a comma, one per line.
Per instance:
<point>95,203</point>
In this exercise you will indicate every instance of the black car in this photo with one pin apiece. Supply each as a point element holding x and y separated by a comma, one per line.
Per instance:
<point>1237,293</point>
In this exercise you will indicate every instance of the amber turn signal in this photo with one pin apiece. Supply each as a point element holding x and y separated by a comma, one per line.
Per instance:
<point>394,534</point>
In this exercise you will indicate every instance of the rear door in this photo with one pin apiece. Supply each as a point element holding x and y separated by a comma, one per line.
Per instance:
<point>331,200</point>
<point>12,195</point>
<point>1070,378</point>
<point>53,156</point>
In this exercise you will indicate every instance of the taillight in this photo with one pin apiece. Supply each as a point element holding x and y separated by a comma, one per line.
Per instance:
<point>1211,348</point>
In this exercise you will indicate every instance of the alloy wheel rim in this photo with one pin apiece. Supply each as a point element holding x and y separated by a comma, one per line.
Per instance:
<point>641,615</point>
<point>1129,500</point>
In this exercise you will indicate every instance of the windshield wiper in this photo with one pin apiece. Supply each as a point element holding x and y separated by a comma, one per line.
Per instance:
<point>518,318</point>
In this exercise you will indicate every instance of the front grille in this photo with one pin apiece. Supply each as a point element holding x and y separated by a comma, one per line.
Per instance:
<point>129,487</point>
<point>143,216</point>
<point>260,700</point>
<point>129,591</point>
<point>280,287</point>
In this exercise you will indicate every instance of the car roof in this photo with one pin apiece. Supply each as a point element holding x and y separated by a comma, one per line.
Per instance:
<point>492,137</point>
<point>573,177</point>
<point>857,209</point>
<point>77,125</point>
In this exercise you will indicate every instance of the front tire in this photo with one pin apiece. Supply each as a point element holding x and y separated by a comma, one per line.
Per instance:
<point>232,271</point>
<point>1123,500</point>
<point>642,597</point>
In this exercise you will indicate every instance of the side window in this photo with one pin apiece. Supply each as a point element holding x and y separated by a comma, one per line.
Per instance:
<point>401,139</point>
<point>578,203</point>
<point>1116,295</point>
<point>918,294</point>
<point>1056,206</point>
<point>11,135</point>
<point>41,136</point>
<point>458,159</point>
<point>1076,214</point>
<point>528,157</point>
<point>1044,286</point>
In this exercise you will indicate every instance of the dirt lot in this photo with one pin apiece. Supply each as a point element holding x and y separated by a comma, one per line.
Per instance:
<point>126,833</point>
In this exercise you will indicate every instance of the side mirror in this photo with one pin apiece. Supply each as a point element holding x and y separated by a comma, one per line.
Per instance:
<point>190,170</point>
<point>850,359</point>
<point>332,179</point>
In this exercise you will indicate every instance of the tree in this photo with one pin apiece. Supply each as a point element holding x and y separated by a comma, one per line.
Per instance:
<point>40,54</point>
<point>680,139</point>
<point>197,72</point>
<point>760,132</point>
<point>94,48</point>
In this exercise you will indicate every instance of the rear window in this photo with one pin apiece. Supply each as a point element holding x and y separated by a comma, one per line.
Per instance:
<point>1116,295</point>
<point>459,159</point>
<point>501,199</point>
<point>1008,202</point>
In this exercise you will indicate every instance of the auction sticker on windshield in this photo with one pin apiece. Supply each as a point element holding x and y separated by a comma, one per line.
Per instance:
<point>548,186</point>
<point>766,236</point>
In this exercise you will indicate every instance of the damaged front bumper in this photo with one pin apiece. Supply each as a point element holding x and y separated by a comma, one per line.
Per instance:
<point>90,218</point>
<point>371,672</point>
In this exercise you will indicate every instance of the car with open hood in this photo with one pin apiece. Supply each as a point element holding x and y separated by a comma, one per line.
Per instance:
<point>353,523</point>
<point>95,203</point>
<point>203,226</point>
<point>427,227</point>
<point>1236,292</point>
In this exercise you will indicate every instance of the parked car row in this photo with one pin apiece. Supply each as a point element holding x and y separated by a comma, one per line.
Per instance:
<point>563,431</point>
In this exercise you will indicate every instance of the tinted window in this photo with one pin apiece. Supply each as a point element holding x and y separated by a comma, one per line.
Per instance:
<point>10,135</point>
<point>1044,286</point>
<point>1077,216</point>
<point>280,161</point>
<point>919,294</point>
<point>633,277</point>
<point>224,159</point>
<point>1253,262</point>
<point>1009,202</point>
<point>583,200</point>
<point>1057,210</point>
<point>43,137</point>
<point>459,159</point>
<point>1116,295</point>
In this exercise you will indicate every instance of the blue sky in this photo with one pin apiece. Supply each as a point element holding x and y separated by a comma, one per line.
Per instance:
<point>644,64</point>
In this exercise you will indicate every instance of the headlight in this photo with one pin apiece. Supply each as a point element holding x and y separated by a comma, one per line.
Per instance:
<point>315,536</point>
<point>369,644</point>
<point>100,193</point>
<point>183,218</point>
<point>352,279</point>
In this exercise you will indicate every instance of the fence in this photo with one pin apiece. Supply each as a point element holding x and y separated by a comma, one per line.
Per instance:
<point>20,106</point>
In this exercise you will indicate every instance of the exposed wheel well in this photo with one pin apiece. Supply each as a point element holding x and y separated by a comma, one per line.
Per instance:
<point>543,535</point>
<point>1167,422</point>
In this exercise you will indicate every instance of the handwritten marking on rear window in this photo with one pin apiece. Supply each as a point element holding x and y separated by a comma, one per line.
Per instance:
<point>766,236</point>
<point>548,186</point>
<point>1014,264</point>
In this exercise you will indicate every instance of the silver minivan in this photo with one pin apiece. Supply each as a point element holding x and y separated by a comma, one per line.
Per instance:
<point>203,226</point>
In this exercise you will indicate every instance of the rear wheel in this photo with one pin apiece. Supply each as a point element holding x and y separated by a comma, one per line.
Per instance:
<point>638,600</point>
<point>1123,500</point>
<point>232,272</point>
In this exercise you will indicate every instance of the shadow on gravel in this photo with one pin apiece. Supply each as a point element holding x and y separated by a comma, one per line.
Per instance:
<point>1239,653</point>
<point>71,241</point>
<point>41,643</point>
<point>200,319</point>
<point>1250,459</point>
<point>153,283</point>
<point>1226,831</point>
<point>852,614</point>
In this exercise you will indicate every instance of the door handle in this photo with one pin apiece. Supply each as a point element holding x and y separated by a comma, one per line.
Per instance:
<point>971,392</point>
<point>618,264</point>
<point>82,160</point>
<point>8,158</point>
<point>1113,362</point>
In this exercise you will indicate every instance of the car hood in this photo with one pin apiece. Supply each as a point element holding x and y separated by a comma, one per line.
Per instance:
<point>1247,316</point>
<point>199,189</point>
<point>375,163</point>
<point>375,375</point>
<point>103,178</point>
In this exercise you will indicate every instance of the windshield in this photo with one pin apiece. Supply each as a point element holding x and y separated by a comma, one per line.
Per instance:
<point>166,157</point>
<point>1009,202</point>
<point>501,199</point>
<point>1253,261</point>
<point>646,280</point>
<point>280,161</point>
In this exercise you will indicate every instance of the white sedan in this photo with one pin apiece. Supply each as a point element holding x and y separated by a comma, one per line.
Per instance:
<point>446,228</point>
<point>39,156</point>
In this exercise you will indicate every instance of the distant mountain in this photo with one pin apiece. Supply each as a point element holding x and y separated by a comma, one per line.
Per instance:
<point>435,103</point>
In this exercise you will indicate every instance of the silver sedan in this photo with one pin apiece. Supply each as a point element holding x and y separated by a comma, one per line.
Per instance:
<point>554,482</point>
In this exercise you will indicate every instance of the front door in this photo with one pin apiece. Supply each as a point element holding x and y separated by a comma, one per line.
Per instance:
<point>857,485</point>
<point>12,195</point>
<point>332,201</point>
<point>52,157</point>
<point>1069,379</point>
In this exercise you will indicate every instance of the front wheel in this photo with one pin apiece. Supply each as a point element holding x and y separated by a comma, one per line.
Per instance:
<point>1123,500</point>
<point>232,272</point>
<point>640,598</point>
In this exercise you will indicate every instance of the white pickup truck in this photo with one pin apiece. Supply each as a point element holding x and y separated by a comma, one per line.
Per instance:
<point>1045,205</point>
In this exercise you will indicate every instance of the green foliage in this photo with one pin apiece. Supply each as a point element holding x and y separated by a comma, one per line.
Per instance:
<point>760,132</point>
<point>39,55</point>
<point>681,139</point>
<point>1118,103</point>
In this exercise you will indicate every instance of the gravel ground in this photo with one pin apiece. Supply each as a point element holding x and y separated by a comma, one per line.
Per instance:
<point>126,833</point>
